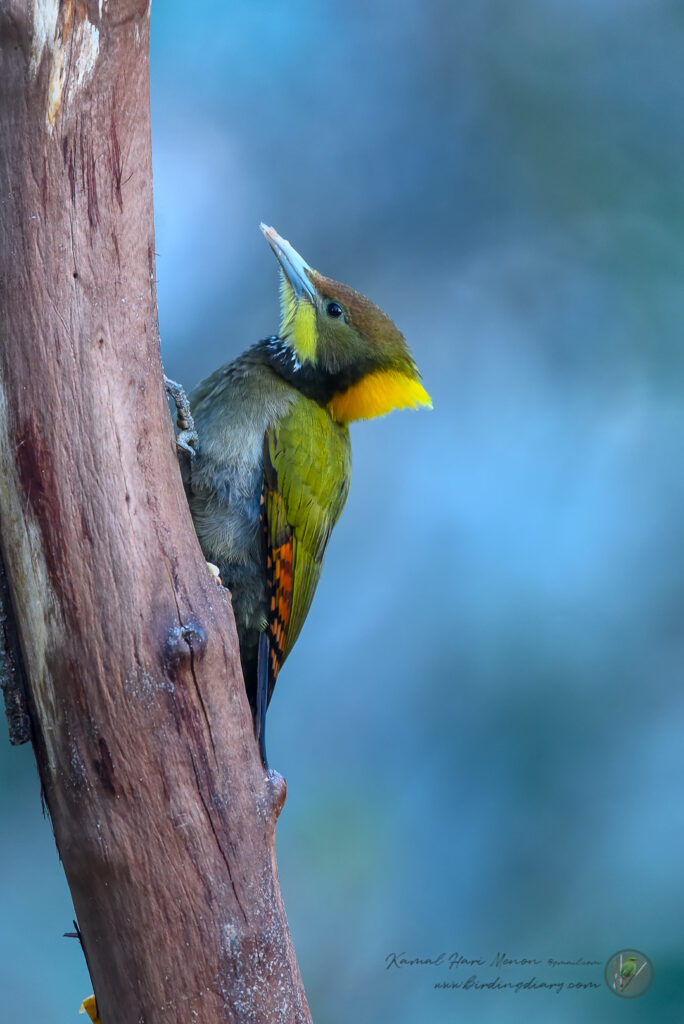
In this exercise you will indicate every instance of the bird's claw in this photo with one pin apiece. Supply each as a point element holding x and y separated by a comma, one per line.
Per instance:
<point>214,570</point>
<point>187,440</point>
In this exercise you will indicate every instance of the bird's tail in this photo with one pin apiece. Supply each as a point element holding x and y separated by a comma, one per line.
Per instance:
<point>262,688</point>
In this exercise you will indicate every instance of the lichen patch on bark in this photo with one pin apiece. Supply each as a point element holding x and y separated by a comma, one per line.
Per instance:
<point>72,43</point>
<point>26,562</point>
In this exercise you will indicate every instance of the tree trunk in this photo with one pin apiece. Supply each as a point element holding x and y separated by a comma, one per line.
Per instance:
<point>163,816</point>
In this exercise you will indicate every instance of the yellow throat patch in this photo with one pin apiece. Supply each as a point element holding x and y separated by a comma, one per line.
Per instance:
<point>376,394</point>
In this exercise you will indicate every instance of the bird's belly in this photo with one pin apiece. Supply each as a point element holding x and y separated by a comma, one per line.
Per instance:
<point>227,524</point>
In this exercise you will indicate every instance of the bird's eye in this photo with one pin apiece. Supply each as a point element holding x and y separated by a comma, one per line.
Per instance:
<point>334,309</point>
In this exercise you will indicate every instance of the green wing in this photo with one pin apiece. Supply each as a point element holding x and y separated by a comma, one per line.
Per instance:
<point>307,468</point>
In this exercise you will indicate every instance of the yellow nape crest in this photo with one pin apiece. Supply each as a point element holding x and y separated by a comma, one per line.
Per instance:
<point>376,394</point>
<point>297,322</point>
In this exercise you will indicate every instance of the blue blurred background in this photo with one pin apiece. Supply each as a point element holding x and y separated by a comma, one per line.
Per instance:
<point>481,726</point>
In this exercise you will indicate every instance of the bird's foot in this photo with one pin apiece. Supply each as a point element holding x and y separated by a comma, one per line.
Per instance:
<point>186,439</point>
<point>215,572</point>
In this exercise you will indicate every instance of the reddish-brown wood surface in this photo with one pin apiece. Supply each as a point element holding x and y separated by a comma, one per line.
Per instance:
<point>162,814</point>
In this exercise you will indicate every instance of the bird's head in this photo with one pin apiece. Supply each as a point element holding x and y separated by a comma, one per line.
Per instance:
<point>346,351</point>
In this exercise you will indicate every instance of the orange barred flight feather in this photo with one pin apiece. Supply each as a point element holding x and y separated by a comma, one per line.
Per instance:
<point>280,588</point>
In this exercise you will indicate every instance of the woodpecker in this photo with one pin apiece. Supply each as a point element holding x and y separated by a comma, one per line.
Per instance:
<point>272,471</point>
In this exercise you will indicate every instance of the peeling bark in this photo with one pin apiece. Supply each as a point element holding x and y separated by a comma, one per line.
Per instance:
<point>163,816</point>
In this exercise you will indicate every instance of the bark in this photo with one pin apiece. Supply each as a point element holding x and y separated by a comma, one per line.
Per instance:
<point>162,814</point>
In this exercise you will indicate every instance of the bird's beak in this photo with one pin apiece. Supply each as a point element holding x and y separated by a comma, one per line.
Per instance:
<point>295,269</point>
